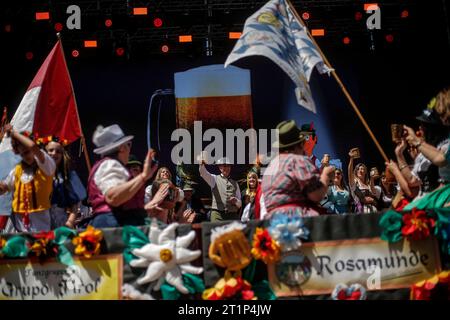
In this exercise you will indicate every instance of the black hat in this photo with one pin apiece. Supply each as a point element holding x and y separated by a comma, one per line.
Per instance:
<point>289,135</point>
<point>133,161</point>
<point>429,115</point>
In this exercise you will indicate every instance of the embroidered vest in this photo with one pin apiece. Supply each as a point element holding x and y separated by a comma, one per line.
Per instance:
<point>221,194</point>
<point>95,197</point>
<point>33,196</point>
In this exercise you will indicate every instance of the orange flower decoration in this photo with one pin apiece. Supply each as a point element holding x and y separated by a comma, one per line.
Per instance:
<point>424,290</point>
<point>87,243</point>
<point>417,225</point>
<point>2,244</point>
<point>264,247</point>
<point>43,246</point>
<point>232,288</point>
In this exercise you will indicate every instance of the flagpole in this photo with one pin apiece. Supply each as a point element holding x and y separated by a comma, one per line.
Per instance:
<point>83,140</point>
<point>341,85</point>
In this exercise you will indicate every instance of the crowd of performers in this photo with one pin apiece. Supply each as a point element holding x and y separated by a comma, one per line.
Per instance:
<point>121,190</point>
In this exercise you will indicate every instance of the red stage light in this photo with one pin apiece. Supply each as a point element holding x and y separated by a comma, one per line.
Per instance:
<point>389,38</point>
<point>29,55</point>
<point>8,28</point>
<point>305,15</point>
<point>358,16</point>
<point>404,14</point>
<point>108,23</point>
<point>185,38</point>
<point>90,43</point>
<point>346,40</point>
<point>142,11</point>
<point>234,35</point>
<point>165,48</point>
<point>157,22</point>
<point>318,32</point>
<point>371,5</point>
<point>75,53</point>
<point>120,51</point>
<point>58,26</point>
<point>43,15</point>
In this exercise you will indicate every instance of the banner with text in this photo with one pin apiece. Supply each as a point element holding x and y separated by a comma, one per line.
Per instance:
<point>88,279</point>
<point>316,268</point>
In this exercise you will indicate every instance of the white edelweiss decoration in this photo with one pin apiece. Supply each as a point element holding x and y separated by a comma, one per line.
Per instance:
<point>130,292</point>
<point>166,257</point>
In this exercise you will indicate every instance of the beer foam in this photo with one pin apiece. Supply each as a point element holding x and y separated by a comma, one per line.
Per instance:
<point>212,81</point>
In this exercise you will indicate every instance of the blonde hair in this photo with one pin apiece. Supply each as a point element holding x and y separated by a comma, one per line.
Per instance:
<point>249,192</point>
<point>160,170</point>
<point>443,101</point>
<point>66,161</point>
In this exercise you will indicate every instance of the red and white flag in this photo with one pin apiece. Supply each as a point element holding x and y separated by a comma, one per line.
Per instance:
<point>48,107</point>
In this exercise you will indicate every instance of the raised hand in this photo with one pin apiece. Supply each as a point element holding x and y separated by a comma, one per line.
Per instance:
<point>401,147</point>
<point>149,167</point>
<point>158,198</point>
<point>411,137</point>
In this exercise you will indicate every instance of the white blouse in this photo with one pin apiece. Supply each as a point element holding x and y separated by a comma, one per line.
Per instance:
<point>110,174</point>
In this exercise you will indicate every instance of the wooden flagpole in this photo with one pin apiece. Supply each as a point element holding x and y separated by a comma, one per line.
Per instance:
<point>341,85</point>
<point>3,122</point>
<point>83,140</point>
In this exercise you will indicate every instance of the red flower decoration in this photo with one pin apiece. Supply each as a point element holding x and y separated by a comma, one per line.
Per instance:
<point>401,205</point>
<point>264,247</point>
<point>417,225</point>
<point>233,288</point>
<point>425,289</point>
<point>50,235</point>
<point>355,295</point>
<point>44,246</point>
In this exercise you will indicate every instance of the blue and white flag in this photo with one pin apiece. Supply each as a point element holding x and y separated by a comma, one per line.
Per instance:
<point>274,32</point>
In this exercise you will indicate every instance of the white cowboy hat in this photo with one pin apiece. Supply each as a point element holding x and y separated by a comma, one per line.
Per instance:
<point>109,139</point>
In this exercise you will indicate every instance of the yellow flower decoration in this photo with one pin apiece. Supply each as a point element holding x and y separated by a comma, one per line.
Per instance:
<point>264,247</point>
<point>165,255</point>
<point>2,244</point>
<point>422,290</point>
<point>39,247</point>
<point>87,243</point>
<point>230,288</point>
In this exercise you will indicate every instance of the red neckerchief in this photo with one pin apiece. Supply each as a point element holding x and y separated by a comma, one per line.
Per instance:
<point>257,202</point>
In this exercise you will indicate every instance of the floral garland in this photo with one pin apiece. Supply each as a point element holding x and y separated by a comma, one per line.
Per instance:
<point>438,286</point>
<point>46,140</point>
<point>416,225</point>
<point>52,244</point>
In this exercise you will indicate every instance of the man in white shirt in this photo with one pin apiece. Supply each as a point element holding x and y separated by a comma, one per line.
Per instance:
<point>116,197</point>
<point>226,195</point>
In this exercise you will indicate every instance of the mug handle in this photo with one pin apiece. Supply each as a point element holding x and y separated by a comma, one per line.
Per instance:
<point>159,92</point>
